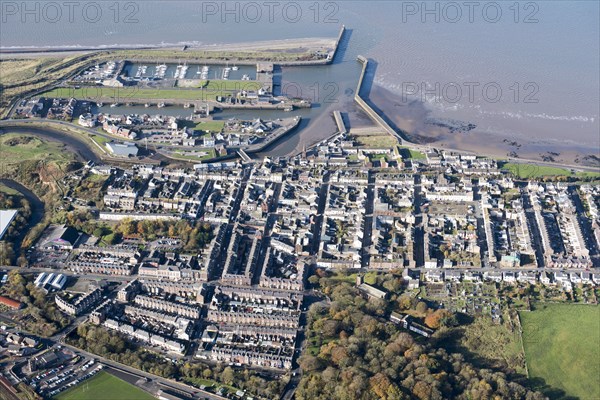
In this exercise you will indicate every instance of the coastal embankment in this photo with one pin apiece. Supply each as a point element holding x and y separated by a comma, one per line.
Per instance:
<point>369,110</point>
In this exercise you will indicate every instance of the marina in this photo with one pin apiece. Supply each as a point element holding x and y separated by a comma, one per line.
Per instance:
<point>142,72</point>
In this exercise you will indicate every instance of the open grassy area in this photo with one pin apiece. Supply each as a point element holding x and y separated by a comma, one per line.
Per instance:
<point>209,91</point>
<point>210,126</point>
<point>101,140</point>
<point>498,344</point>
<point>15,149</point>
<point>211,385</point>
<point>24,76</point>
<point>126,93</point>
<point>229,85</point>
<point>375,157</point>
<point>207,383</point>
<point>369,277</point>
<point>562,347</point>
<point>409,153</point>
<point>532,171</point>
<point>18,70</point>
<point>376,141</point>
<point>202,55</point>
<point>106,387</point>
<point>210,153</point>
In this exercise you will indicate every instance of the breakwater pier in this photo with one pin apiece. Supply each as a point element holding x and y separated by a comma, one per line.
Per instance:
<point>378,119</point>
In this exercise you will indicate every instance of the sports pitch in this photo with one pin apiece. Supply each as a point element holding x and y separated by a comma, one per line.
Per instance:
<point>104,386</point>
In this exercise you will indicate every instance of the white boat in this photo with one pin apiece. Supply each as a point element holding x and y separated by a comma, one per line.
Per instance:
<point>235,68</point>
<point>177,71</point>
<point>183,71</point>
<point>113,105</point>
<point>226,73</point>
<point>245,77</point>
<point>141,70</point>
<point>161,71</point>
<point>100,105</point>
<point>147,105</point>
<point>161,105</point>
<point>204,73</point>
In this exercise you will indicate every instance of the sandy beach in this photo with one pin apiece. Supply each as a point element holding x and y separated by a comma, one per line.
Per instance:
<point>412,118</point>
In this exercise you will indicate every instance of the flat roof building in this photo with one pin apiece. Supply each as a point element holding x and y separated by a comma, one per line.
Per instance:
<point>6,218</point>
<point>61,237</point>
<point>122,149</point>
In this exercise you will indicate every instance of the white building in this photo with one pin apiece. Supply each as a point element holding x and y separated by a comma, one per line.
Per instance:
<point>122,149</point>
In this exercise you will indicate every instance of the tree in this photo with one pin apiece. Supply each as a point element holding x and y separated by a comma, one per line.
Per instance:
<point>116,238</point>
<point>421,307</point>
<point>393,285</point>
<point>372,359</point>
<point>228,376</point>
<point>331,328</point>
<point>15,278</point>
<point>100,231</point>
<point>6,253</point>
<point>380,385</point>
<point>22,261</point>
<point>404,302</point>
<point>339,355</point>
<point>309,363</point>
<point>440,318</point>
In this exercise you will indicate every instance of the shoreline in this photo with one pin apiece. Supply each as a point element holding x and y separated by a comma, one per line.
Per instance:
<point>409,121</point>
<point>261,45</point>
<point>412,119</point>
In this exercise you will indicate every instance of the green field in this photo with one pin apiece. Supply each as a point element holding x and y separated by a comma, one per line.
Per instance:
<point>101,140</point>
<point>284,54</point>
<point>104,386</point>
<point>532,171</point>
<point>15,148</point>
<point>409,153</point>
<point>231,85</point>
<point>562,347</point>
<point>210,126</point>
<point>211,90</point>
<point>382,141</point>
